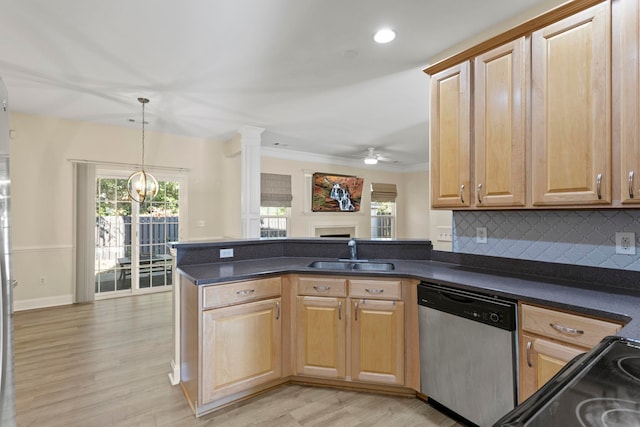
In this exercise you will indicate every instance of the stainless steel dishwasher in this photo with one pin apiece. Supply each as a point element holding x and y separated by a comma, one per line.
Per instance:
<point>468,352</point>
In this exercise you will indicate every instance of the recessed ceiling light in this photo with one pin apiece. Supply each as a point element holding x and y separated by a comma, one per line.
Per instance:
<point>384,35</point>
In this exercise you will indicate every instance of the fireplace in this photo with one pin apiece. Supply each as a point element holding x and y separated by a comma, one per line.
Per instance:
<point>335,231</point>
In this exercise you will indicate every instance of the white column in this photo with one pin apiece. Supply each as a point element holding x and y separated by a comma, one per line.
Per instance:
<point>250,185</point>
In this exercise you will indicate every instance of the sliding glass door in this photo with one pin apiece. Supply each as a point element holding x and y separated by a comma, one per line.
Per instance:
<point>131,254</point>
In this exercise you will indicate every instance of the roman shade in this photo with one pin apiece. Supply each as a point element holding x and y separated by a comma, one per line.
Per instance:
<point>275,190</point>
<point>383,192</point>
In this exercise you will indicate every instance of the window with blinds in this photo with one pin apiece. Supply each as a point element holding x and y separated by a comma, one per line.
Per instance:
<point>275,205</point>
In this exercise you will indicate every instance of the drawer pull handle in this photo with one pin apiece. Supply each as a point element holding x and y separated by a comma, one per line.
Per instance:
<point>479,193</point>
<point>322,288</point>
<point>462,194</point>
<point>277,310</point>
<point>375,291</point>
<point>340,310</point>
<point>599,185</point>
<point>245,292</point>
<point>529,354</point>
<point>631,184</point>
<point>565,329</point>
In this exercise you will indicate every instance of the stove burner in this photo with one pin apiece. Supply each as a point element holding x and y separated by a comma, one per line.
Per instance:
<point>621,418</point>
<point>608,412</point>
<point>630,365</point>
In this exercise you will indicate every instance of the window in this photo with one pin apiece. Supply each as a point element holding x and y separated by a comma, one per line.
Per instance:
<point>383,211</point>
<point>273,221</point>
<point>275,204</point>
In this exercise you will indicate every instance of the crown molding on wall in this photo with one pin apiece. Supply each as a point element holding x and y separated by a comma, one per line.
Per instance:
<point>285,154</point>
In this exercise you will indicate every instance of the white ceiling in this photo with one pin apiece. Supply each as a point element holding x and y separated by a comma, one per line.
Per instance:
<point>306,70</point>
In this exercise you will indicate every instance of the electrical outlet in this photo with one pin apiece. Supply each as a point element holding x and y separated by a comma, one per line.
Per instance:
<point>444,233</point>
<point>481,234</point>
<point>226,253</point>
<point>626,243</point>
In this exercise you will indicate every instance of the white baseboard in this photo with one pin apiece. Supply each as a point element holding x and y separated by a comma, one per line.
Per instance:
<point>30,304</point>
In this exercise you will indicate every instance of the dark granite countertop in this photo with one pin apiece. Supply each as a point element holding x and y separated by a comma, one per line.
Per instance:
<point>606,302</point>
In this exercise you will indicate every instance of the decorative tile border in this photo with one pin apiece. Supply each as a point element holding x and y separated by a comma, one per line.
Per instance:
<point>584,237</point>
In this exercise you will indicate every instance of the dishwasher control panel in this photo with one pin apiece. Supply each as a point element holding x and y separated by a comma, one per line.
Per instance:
<point>481,308</point>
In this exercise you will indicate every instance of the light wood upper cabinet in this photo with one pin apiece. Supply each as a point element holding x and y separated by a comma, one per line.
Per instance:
<point>500,108</point>
<point>629,122</point>
<point>570,106</point>
<point>321,324</point>
<point>377,341</point>
<point>450,137</point>
<point>242,347</point>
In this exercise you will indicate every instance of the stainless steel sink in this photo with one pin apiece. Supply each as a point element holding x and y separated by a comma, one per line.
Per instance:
<point>352,265</point>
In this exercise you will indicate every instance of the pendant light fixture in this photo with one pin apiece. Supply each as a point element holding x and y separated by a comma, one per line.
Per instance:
<point>142,186</point>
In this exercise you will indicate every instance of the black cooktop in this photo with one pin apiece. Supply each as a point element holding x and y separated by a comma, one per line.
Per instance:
<point>598,389</point>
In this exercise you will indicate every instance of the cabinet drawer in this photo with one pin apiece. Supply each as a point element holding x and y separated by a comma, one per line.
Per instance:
<point>240,292</point>
<point>322,286</point>
<point>571,328</point>
<point>375,289</point>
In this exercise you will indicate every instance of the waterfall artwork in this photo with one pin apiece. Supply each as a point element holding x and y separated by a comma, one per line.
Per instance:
<point>336,193</point>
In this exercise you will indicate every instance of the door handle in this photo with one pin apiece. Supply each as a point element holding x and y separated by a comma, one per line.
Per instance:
<point>462,193</point>
<point>529,354</point>
<point>356,311</point>
<point>277,310</point>
<point>339,310</point>
<point>599,185</point>
<point>479,193</point>
<point>631,184</point>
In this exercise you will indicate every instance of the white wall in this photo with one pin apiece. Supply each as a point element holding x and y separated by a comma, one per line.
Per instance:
<point>412,202</point>
<point>42,199</point>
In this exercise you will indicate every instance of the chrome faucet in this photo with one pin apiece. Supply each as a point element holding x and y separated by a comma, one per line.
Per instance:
<point>353,248</point>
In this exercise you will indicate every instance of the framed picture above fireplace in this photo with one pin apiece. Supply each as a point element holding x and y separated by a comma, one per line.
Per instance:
<point>336,193</point>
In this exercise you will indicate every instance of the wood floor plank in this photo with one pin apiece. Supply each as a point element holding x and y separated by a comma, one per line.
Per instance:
<point>107,363</point>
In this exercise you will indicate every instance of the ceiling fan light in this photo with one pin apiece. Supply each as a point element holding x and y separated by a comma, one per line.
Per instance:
<point>384,35</point>
<point>370,161</point>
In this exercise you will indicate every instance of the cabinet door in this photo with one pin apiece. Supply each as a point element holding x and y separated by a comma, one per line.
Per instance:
<point>242,348</point>
<point>450,137</point>
<point>629,125</point>
<point>321,337</point>
<point>500,79</point>
<point>540,360</point>
<point>571,118</point>
<point>377,341</point>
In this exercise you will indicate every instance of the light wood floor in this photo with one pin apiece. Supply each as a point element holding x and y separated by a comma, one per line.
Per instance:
<point>106,364</point>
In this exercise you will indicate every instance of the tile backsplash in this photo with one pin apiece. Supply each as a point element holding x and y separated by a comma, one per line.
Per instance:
<point>584,237</point>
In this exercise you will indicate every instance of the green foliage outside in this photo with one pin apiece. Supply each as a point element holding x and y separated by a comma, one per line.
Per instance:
<point>113,200</point>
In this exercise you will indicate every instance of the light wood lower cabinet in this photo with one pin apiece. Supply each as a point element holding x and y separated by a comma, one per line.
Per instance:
<point>540,360</point>
<point>321,324</point>
<point>242,347</point>
<point>548,339</point>
<point>377,341</point>
<point>357,332</point>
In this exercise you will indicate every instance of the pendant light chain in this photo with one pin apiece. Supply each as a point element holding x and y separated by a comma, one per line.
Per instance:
<point>143,101</point>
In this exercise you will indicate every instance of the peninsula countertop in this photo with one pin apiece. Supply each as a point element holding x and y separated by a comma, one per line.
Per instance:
<point>606,301</point>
